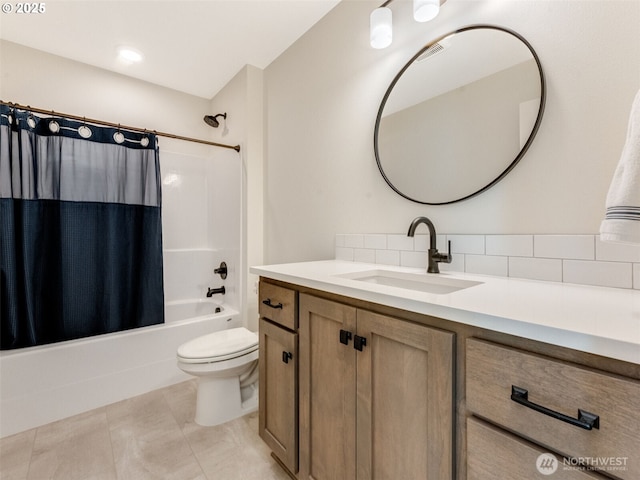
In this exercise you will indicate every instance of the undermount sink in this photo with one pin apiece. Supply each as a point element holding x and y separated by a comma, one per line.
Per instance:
<point>421,282</point>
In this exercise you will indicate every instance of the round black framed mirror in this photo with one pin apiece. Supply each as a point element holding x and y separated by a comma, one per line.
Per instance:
<point>459,115</point>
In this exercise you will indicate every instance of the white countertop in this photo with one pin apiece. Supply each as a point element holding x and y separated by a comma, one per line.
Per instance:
<point>598,320</point>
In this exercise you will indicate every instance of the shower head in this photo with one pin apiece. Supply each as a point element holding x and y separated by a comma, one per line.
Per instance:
<point>212,120</point>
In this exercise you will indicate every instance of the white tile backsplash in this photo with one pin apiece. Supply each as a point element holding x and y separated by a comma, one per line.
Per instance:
<point>375,242</point>
<point>487,265</point>
<point>467,244</point>
<point>413,259</point>
<point>617,252</point>
<point>549,269</point>
<point>344,253</point>
<point>457,264</point>
<point>354,241</point>
<point>400,242</point>
<point>364,255</point>
<point>388,257</point>
<point>576,247</point>
<point>509,245</point>
<point>604,274</point>
<point>579,259</point>
<point>421,243</point>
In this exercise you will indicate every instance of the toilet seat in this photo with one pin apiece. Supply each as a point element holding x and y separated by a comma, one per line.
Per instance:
<point>219,346</point>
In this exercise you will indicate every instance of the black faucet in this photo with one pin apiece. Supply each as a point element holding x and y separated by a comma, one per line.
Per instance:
<point>433,256</point>
<point>212,291</point>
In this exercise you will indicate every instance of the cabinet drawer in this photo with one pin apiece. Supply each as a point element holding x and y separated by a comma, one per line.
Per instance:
<point>279,304</point>
<point>493,453</point>
<point>493,370</point>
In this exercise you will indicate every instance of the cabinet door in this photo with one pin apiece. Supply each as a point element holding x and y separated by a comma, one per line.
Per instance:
<point>278,424</point>
<point>404,400</point>
<point>327,390</point>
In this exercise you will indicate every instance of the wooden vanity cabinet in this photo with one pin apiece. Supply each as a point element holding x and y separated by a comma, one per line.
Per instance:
<point>427,398</point>
<point>376,395</point>
<point>278,383</point>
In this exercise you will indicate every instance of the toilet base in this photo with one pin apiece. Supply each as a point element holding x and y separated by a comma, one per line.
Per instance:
<point>219,400</point>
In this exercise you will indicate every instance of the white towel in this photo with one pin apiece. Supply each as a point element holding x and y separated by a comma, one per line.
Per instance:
<point>622,218</point>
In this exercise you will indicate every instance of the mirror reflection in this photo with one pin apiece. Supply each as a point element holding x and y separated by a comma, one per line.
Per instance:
<point>459,115</point>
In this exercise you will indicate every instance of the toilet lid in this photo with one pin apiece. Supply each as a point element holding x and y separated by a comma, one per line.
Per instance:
<point>225,343</point>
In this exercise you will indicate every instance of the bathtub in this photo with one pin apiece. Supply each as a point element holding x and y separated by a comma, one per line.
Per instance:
<point>187,310</point>
<point>39,385</point>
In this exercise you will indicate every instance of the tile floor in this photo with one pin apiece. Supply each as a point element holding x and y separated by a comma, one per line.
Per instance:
<point>151,436</point>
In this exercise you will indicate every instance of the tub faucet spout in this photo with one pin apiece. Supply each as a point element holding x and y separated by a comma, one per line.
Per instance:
<point>434,257</point>
<point>212,291</point>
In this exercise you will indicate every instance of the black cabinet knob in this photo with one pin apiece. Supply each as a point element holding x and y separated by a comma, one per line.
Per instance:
<point>359,342</point>
<point>345,336</point>
<point>286,356</point>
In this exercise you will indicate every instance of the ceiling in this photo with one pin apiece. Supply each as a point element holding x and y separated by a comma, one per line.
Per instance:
<point>192,46</point>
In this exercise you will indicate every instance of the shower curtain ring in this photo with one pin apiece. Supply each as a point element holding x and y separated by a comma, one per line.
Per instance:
<point>83,130</point>
<point>31,120</point>
<point>119,136</point>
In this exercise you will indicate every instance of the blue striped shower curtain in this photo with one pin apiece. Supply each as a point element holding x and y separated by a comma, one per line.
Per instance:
<point>80,230</point>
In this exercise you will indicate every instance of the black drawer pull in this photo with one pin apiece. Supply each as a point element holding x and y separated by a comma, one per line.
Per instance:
<point>286,356</point>
<point>345,336</point>
<point>359,342</point>
<point>268,303</point>
<point>585,420</point>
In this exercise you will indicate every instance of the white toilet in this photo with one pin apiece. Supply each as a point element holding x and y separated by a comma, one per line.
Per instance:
<point>226,364</point>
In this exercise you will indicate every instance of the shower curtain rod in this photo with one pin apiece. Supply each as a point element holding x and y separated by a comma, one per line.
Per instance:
<point>117,125</point>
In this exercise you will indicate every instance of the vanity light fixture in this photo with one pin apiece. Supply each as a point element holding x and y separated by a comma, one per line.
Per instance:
<point>425,10</point>
<point>380,26</point>
<point>381,30</point>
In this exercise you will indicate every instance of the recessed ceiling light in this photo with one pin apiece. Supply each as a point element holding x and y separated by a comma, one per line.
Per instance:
<point>129,55</point>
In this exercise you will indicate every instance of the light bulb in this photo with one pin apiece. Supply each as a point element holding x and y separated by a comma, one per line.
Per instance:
<point>381,30</point>
<point>425,10</point>
<point>129,55</point>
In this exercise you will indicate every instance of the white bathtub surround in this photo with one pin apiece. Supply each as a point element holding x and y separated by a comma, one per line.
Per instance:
<point>182,309</point>
<point>188,273</point>
<point>582,259</point>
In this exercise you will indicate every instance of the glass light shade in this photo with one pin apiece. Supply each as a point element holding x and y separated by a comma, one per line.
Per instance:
<point>381,31</point>
<point>425,10</point>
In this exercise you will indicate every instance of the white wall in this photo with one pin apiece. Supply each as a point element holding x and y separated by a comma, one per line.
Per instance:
<point>323,93</point>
